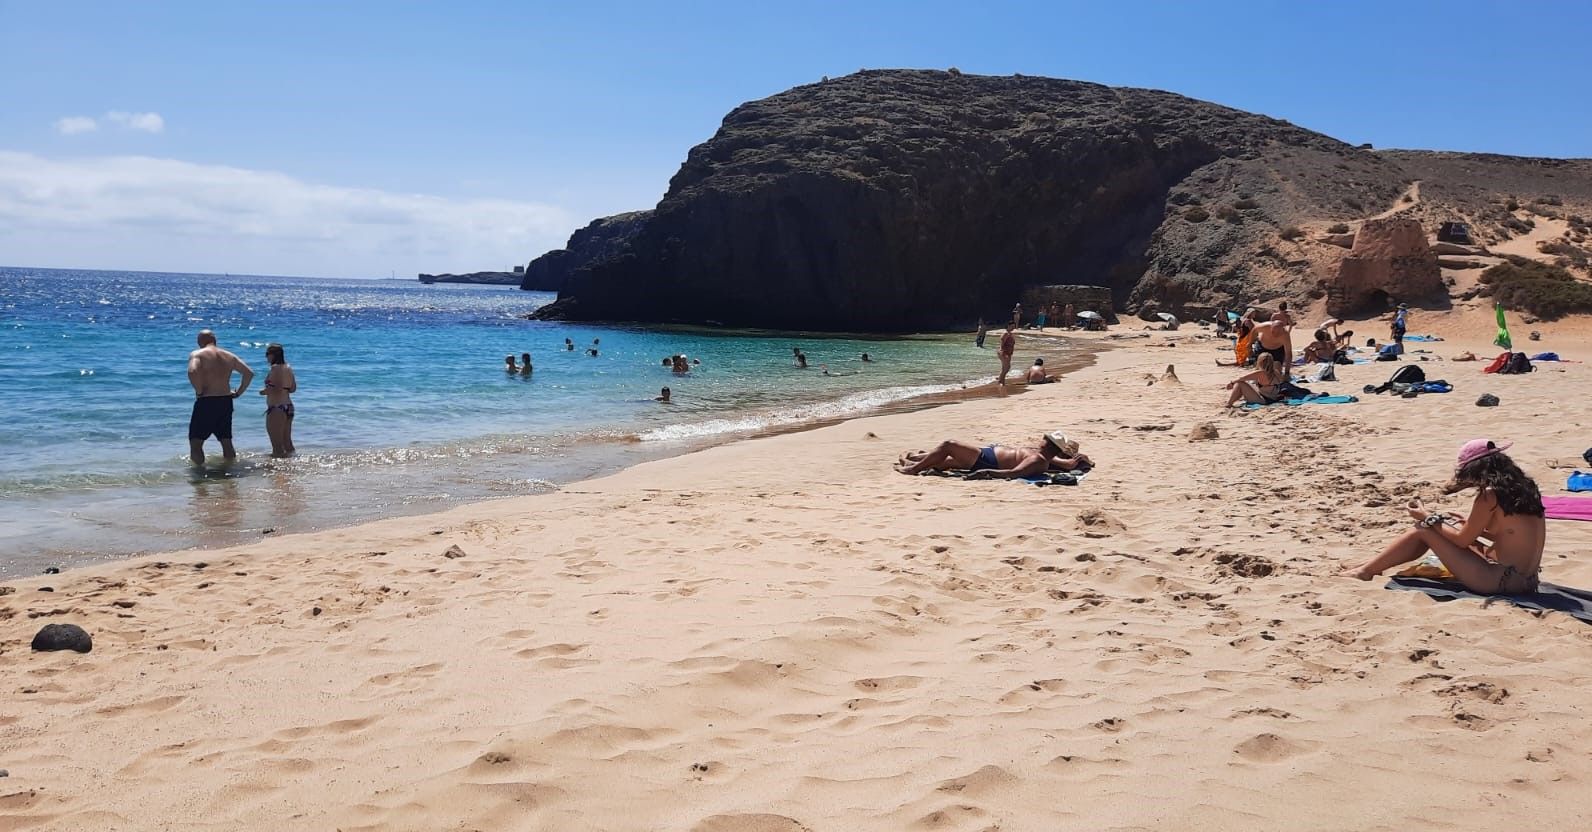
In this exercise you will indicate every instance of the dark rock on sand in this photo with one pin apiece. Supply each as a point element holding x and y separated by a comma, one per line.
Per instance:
<point>453,552</point>
<point>1203,431</point>
<point>52,570</point>
<point>63,637</point>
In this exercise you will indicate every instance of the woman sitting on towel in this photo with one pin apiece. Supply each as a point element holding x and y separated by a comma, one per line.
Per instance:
<point>1261,386</point>
<point>1508,512</point>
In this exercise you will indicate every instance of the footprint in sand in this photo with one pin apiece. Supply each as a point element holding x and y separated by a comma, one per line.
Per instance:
<point>750,823</point>
<point>1270,748</point>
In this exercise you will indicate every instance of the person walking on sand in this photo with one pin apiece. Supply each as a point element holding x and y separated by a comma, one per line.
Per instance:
<point>983,329</point>
<point>280,384</point>
<point>1008,346</point>
<point>1401,321</point>
<point>210,370</point>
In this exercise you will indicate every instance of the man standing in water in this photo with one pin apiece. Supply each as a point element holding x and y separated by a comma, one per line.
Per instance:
<point>210,370</point>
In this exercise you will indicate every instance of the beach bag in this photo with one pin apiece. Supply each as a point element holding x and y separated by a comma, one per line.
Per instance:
<point>1517,364</point>
<point>1497,363</point>
<point>1408,374</point>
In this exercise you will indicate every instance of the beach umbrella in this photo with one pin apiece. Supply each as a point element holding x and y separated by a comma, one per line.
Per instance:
<point>1090,316</point>
<point>1167,316</point>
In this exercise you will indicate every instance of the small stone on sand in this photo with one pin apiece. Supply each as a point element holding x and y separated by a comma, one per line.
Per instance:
<point>453,552</point>
<point>1203,430</point>
<point>63,637</point>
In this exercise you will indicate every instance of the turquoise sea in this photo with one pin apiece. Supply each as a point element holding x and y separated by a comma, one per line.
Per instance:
<point>403,404</point>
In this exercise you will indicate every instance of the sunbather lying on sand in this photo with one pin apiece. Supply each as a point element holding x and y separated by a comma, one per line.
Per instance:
<point>1053,452</point>
<point>1508,511</point>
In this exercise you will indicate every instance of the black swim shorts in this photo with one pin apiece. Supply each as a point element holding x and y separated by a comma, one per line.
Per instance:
<point>1278,353</point>
<point>212,416</point>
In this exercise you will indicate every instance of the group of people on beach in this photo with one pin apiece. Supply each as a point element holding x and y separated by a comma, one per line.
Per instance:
<point>210,371</point>
<point>1496,548</point>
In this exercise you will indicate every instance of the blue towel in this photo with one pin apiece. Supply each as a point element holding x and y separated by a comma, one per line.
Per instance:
<point>1545,356</point>
<point>1580,481</point>
<point>1305,400</point>
<point>1422,338</point>
<point>1574,602</point>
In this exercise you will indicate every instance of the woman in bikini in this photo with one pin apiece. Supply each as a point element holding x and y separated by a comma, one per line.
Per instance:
<point>1260,386</point>
<point>279,387</point>
<point>1507,512</point>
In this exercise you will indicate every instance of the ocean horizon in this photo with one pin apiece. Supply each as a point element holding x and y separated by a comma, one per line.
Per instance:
<point>403,403</point>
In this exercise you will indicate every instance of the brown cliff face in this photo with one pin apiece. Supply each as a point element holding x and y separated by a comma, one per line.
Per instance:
<point>895,200</point>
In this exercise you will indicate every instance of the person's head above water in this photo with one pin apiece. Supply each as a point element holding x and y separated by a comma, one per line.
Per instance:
<point>509,359</point>
<point>525,357</point>
<point>274,354</point>
<point>206,338</point>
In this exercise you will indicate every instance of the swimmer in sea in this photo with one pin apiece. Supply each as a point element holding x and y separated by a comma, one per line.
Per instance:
<point>508,364</point>
<point>525,364</point>
<point>663,397</point>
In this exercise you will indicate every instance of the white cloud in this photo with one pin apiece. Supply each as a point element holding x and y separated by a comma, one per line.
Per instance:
<point>125,212</point>
<point>72,125</point>
<point>147,122</point>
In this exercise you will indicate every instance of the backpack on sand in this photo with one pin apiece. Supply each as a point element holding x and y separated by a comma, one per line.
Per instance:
<point>1407,374</point>
<point>1517,364</point>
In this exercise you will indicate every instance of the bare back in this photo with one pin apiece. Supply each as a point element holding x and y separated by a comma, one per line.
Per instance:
<point>210,370</point>
<point>1518,539</point>
<point>1271,334</point>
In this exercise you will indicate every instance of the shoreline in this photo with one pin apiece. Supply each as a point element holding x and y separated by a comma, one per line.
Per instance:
<point>644,649</point>
<point>595,456</point>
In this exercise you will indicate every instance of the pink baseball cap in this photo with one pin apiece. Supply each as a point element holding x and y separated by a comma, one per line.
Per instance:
<point>1477,448</point>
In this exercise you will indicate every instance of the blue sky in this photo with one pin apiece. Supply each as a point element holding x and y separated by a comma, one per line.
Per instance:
<point>354,138</point>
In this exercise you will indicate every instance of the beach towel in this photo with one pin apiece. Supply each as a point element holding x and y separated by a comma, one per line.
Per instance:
<point>1317,398</point>
<point>1545,356</point>
<point>1573,602</point>
<point>1579,481</point>
<point>1567,508</point>
<point>1497,363</point>
<point>1242,347</point>
<point>1422,338</point>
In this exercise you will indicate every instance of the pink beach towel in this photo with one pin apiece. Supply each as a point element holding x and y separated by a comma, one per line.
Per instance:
<point>1568,508</point>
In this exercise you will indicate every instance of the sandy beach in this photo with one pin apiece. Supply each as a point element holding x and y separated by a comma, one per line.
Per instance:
<point>785,634</point>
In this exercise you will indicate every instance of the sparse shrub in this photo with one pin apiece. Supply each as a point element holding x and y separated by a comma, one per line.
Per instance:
<point>1519,226</point>
<point>1291,233</point>
<point>1246,204</point>
<point>1196,214</point>
<point>1338,228</point>
<point>1545,291</point>
<point>1549,199</point>
<point>1565,251</point>
<point>1354,203</point>
<point>1408,198</point>
<point>954,72</point>
<point>1512,205</point>
<point>1229,214</point>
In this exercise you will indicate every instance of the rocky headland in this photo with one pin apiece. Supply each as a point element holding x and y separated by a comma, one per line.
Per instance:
<point>490,278</point>
<point>894,200</point>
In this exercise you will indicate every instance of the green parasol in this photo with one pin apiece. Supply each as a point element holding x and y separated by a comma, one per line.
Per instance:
<point>1503,328</point>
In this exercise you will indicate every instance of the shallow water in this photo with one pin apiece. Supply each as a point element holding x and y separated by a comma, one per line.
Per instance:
<point>403,405</point>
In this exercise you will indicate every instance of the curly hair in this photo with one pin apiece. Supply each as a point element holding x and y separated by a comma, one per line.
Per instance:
<point>1515,492</point>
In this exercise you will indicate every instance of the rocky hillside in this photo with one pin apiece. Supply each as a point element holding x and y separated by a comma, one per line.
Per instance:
<point>912,199</point>
<point>602,238</point>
